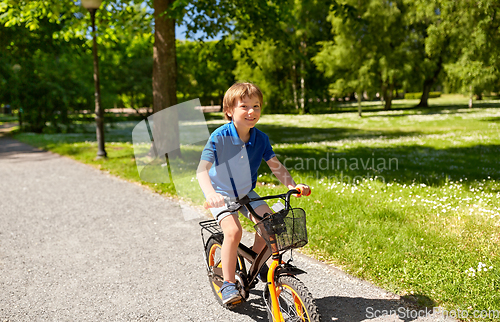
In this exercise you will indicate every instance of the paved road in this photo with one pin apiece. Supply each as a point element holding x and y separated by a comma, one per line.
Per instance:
<point>77,244</point>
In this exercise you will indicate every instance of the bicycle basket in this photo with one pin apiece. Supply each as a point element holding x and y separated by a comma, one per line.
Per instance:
<point>285,229</point>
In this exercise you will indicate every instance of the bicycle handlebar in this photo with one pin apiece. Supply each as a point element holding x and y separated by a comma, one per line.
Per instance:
<point>245,200</point>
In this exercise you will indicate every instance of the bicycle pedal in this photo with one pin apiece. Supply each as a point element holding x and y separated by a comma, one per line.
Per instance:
<point>234,304</point>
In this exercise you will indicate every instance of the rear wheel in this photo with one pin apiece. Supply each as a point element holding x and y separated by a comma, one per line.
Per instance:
<point>214,261</point>
<point>295,301</point>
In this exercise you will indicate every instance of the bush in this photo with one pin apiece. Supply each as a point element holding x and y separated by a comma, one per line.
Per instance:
<point>417,96</point>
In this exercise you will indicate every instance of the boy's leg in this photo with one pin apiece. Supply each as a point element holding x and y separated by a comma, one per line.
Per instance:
<point>232,235</point>
<point>259,242</point>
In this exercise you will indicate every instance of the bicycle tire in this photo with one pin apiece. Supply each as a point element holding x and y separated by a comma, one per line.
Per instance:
<point>295,301</point>
<point>213,250</point>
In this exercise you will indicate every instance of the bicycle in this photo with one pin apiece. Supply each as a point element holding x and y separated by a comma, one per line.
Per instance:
<point>287,298</point>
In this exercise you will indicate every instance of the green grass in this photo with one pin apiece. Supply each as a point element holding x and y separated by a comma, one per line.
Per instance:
<point>411,202</point>
<point>6,118</point>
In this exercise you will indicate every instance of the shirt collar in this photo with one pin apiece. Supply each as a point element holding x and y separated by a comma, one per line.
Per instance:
<point>235,139</point>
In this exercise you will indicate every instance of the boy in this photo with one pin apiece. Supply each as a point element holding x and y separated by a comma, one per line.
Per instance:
<point>228,168</point>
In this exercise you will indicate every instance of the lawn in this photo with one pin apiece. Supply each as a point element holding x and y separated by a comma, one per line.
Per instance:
<point>408,199</point>
<point>7,118</point>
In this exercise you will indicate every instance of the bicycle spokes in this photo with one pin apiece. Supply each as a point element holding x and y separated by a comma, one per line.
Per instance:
<point>290,305</point>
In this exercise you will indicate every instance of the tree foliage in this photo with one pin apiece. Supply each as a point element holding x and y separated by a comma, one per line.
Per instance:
<point>476,70</point>
<point>205,70</point>
<point>385,45</point>
<point>126,67</point>
<point>279,58</point>
<point>47,59</point>
<point>369,49</point>
<point>300,52</point>
<point>41,75</point>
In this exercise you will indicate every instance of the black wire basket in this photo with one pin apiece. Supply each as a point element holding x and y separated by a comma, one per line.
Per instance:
<point>283,230</point>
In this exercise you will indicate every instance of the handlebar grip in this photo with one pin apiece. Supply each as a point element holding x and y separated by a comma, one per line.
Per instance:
<point>300,190</point>
<point>206,205</point>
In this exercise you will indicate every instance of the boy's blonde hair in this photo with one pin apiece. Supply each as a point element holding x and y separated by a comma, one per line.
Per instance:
<point>239,91</point>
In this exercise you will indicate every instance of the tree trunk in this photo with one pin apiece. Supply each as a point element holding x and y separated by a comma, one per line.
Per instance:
<point>302,89</point>
<point>388,90</point>
<point>425,94</point>
<point>302,80</point>
<point>359,102</point>
<point>165,74</point>
<point>20,117</point>
<point>294,85</point>
<point>383,94</point>
<point>471,97</point>
<point>428,82</point>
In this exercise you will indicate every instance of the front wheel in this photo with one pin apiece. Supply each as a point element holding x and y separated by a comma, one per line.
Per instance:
<point>295,301</point>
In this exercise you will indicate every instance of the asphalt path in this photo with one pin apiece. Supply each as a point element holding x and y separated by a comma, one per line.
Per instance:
<point>77,244</point>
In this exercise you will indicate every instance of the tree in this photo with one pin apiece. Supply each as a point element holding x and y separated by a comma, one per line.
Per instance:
<point>279,59</point>
<point>165,71</point>
<point>477,68</point>
<point>353,73</point>
<point>69,36</point>
<point>303,25</point>
<point>471,76</point>
<point>369,48</point>
<point>265,64</point>
<point>40,76</point>
<point>126,68</point>
<point>115,15</point>
<point>434,31</point>
<point>210,17</point>
<point>205,70</point>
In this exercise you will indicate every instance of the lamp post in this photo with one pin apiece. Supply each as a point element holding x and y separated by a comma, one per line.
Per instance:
<point>92,6</point>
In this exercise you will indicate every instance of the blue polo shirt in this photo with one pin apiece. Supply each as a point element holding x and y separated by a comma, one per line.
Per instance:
<point>235,164</point>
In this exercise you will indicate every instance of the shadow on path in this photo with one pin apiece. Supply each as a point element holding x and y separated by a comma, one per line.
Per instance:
<point>343,309</point>
<point>254,307</point>
<point>10,149</point>
<point>356,309</point>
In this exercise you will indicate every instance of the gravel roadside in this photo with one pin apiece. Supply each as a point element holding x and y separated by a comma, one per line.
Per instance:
<point>77,244</point>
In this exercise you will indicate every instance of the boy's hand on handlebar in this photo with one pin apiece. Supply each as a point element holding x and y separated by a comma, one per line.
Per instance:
<point>214,200</point>
<point>303,188</point>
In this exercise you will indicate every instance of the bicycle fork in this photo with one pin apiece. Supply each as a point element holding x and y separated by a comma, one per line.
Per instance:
<point>276,312</point>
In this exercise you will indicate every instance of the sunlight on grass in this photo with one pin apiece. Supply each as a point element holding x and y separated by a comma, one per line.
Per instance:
<point>408,199</point>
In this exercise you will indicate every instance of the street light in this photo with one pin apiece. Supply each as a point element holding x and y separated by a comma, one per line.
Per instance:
<point>92,6</point>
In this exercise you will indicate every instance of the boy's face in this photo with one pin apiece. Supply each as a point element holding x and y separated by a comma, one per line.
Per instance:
<point>246,112</point>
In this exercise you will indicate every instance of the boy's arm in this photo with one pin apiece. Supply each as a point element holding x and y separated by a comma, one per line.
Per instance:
<point>281,172</point>
<point>213,198</point>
